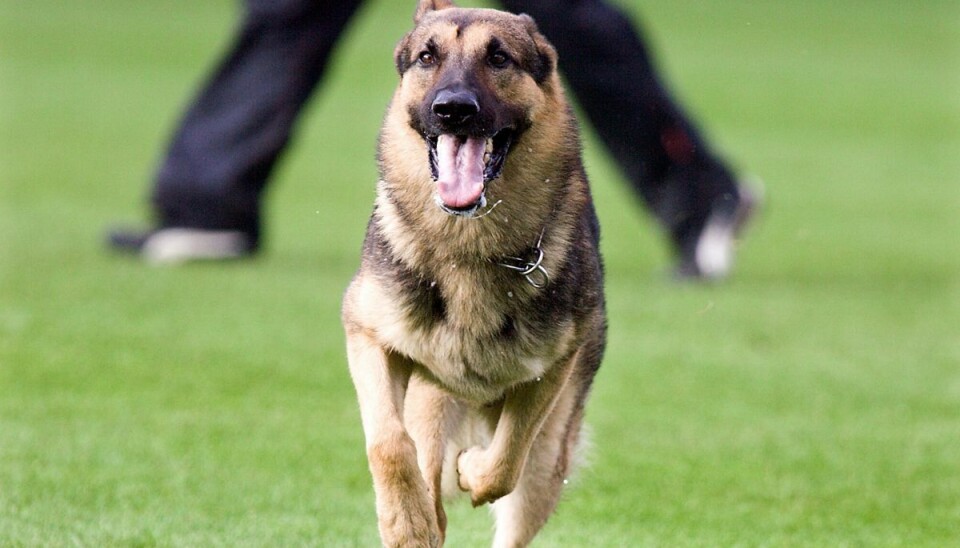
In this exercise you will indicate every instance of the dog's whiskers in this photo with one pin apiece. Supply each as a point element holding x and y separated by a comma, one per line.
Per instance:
<point>488,211</point>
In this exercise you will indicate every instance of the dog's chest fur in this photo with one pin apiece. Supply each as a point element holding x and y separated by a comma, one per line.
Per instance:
<point>477,329</point>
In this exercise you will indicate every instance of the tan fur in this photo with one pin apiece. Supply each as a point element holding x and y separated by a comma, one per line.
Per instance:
<point>508,403</point>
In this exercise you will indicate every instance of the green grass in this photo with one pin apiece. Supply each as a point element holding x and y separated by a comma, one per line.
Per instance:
<point>814,400</point>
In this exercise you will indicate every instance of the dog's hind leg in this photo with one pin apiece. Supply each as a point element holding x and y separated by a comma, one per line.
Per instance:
<point>405,514</point>
<point>522,513</point>
<point>430,416</point>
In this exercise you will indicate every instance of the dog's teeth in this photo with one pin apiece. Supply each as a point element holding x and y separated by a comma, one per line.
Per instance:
<point>489,146</point>
<point>486,157</point>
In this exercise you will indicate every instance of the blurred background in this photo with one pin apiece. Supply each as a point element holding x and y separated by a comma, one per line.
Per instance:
<point>812,399</point>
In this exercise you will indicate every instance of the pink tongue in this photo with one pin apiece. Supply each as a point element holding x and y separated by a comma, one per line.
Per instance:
<point>460,170</point>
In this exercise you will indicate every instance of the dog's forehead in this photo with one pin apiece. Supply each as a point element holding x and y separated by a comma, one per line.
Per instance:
<point>471,28</point>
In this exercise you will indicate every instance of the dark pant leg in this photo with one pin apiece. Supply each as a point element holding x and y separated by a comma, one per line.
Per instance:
<point>605,62</point>
<point>226,146</point>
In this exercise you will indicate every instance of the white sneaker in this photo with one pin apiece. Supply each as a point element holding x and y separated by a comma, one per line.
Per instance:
<point>170,246</point>
<point>716,245</point>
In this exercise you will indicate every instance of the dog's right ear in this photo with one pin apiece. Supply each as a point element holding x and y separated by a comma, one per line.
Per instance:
<point>401,55</point>
<point>426,6</point>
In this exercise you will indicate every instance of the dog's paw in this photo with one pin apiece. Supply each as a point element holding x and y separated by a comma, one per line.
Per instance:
<point>477,476</point>
<point>406,514</point>
<point>410,525</point>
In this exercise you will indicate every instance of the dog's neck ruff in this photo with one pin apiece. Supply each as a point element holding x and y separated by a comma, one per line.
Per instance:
<point>530,266</point>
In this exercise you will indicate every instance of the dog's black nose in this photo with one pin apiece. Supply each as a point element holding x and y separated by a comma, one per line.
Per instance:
<point>455,106</point>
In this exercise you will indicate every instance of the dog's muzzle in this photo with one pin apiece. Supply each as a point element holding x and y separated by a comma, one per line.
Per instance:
<point>463,165</point>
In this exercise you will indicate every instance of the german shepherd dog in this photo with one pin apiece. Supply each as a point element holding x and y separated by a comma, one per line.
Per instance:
<point>476,321</point>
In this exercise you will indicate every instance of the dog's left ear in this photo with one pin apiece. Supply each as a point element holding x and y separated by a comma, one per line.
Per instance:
<point>426,6</point>
<point>546,61</point>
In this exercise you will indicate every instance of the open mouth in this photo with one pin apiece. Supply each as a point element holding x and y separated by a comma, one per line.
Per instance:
<point>462,166</point>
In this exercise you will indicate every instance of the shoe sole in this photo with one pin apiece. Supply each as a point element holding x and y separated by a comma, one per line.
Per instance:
<point>171,246</point>
<point>717,243</point>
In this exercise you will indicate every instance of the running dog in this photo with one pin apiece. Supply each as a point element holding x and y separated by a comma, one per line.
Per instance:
<point>476,322</point>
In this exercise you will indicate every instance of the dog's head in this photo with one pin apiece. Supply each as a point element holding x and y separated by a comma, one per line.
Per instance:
<point>472,82</point>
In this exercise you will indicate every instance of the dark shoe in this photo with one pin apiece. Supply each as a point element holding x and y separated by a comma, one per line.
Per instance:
<point>166,246</point>
<point>711,258</point>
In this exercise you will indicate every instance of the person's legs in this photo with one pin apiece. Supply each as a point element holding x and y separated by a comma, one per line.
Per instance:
<point>671,167</point>
<point>223,152</point>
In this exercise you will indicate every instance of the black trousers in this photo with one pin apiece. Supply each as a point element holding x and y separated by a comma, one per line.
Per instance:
<point>223,152</point>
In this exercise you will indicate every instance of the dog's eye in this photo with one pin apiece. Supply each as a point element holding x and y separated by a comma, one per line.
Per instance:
<point>498,59</point>
<point>426,59</point>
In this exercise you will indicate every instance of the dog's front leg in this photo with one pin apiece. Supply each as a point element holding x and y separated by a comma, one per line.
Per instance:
<point>493,472</point>
<point>405,514</point>
<point>431,415</point>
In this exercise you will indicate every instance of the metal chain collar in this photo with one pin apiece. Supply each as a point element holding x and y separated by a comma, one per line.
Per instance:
<point>533,271</point>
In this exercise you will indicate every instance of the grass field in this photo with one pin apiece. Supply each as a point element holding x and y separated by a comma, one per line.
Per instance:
<point>813,400</point>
